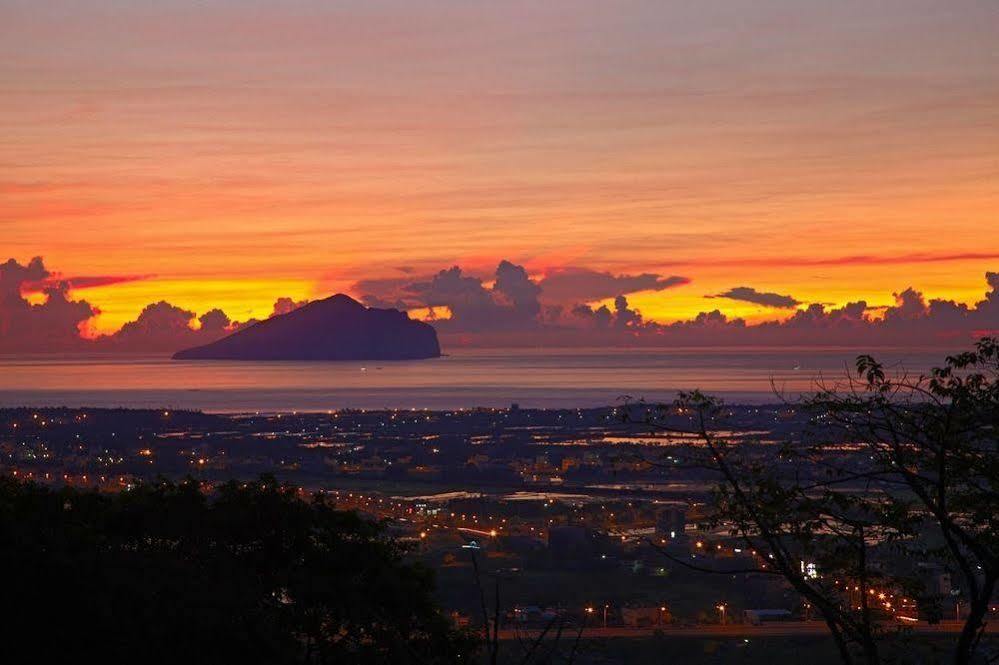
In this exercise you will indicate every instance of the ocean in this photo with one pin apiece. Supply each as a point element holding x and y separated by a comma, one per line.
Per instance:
<point>547,378</point>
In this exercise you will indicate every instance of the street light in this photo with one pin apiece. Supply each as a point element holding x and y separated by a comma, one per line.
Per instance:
<point>721,608</point>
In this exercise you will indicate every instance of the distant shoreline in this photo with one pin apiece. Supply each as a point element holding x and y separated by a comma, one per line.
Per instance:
<point>116,400</point>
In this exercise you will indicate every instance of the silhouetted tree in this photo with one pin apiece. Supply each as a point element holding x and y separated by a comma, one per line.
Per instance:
<point>893,472</point>
<point>248,574</point>
<point>533,648</point>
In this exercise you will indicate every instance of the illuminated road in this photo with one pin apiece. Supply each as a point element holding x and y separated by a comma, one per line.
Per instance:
<point>783,629</point>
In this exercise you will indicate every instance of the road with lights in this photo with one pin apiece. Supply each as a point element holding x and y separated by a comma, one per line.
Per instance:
<point>747,631</point>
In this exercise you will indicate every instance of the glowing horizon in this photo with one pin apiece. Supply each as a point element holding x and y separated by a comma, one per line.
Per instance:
<point>223,155</point>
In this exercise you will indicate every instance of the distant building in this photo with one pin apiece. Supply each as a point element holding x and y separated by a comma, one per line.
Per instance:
<point>534,614</point>
<point>479,460</point>
<point>756,617</point>
<point>671,523</point>
<point>569,463</point>
<point>935,578</point>
<point>644,616</point>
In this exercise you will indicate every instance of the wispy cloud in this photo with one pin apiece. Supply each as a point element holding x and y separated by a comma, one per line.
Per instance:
<point>765,298</point>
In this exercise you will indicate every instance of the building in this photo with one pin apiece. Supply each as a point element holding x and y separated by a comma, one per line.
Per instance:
<point>756,617</point>
<point>644,616</point>
<point>671,523</point>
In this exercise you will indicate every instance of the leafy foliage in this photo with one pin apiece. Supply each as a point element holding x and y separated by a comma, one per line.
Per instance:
<point>250,574</point>
<point>896,476</point>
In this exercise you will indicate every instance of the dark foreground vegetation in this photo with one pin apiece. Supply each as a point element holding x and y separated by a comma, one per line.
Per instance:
<point>250,574</point>
<point>894,484</point>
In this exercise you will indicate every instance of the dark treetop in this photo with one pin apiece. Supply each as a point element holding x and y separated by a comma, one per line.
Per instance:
<point>250,574</point>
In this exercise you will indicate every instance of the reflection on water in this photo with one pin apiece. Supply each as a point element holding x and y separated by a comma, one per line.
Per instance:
<point>494,377</point>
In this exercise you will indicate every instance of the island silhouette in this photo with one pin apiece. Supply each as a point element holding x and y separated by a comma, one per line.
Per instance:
<point>336,328</point>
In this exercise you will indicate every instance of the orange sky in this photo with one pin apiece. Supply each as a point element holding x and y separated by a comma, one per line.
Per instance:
<point>233,152</point>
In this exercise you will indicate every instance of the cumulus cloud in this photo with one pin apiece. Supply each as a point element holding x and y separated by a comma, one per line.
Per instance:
<point>564,287</point>
<point>163,327</point>
<point>988,309</point>
<point>599,318</point>
<point>516,309</point>
<point>516,290</point>
<point>912,320</point>
<point>53,325</point>
<point>621,318</point>
<point>506,308</point>
<point>56,323</point>
<point>511,303</point>
<point>573,284</point>
<point>514,301</point>
<point>214,321</point>
<point>765,298</point>
<point>285,305</point>
<point>388,292</point>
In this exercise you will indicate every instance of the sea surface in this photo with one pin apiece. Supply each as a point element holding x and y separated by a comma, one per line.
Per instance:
<point>462,379</point>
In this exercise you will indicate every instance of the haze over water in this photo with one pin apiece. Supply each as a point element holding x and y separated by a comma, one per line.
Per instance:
<point>464,379</point>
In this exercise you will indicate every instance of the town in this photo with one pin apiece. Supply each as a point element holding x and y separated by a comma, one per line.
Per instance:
<point>585,516</point>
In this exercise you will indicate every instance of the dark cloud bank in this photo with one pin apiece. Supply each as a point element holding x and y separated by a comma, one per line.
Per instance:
<point>519,311</point>
<point>509,309</point>
<point>57,325</point>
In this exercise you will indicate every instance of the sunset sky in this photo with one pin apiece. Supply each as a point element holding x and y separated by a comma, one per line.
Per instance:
<point>225,154</point>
